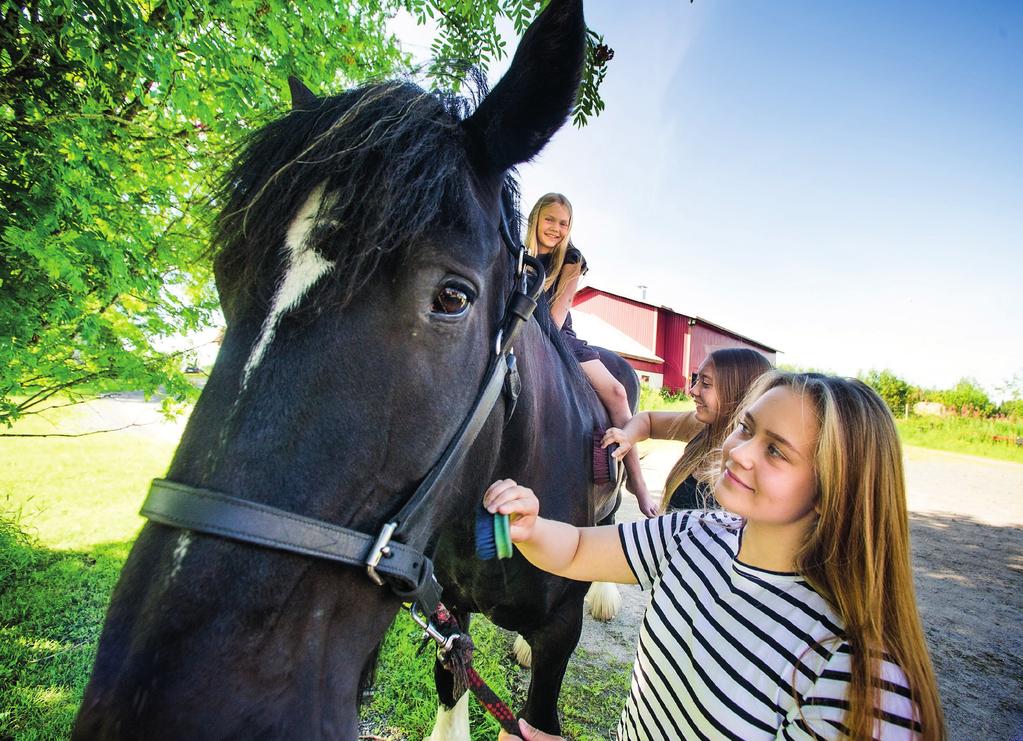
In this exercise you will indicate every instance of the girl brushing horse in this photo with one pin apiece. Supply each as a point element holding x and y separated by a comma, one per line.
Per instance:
<point>792,613</point>
<point>548,233</point>
<point>722,381</point>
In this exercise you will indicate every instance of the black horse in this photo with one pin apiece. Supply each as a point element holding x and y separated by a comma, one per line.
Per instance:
<point>363,280</point>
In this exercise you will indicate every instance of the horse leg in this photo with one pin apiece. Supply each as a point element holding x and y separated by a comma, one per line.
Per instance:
<point>552,646</point>
<point>452,722</point>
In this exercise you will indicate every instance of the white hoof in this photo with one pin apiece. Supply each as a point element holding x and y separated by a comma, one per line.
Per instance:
<point>523,653</point>
<point>605,600</point>
<point>453,724</point>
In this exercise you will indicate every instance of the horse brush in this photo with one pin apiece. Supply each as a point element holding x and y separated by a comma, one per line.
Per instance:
<point>493,535</point>
<point>605,466</point>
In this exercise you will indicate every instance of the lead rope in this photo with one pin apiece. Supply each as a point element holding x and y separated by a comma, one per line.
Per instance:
<point>454,651</point>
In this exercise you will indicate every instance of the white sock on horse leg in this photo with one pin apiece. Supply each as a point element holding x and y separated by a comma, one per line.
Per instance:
<point>605,600</point>
<point>523,653</point>
<point>453,724</point>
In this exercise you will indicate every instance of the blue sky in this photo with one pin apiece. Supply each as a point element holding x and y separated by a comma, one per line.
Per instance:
<point>841,181</point>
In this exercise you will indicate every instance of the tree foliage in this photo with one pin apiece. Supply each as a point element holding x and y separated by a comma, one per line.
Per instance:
<point>895,392</point>
<point>967,397</point>
<point>114,118</point>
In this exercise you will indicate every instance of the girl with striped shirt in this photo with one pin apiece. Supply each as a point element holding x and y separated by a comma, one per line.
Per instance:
<point>788,615</point>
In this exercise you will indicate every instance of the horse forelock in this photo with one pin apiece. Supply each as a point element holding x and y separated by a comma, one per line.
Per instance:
<point>392,163</point>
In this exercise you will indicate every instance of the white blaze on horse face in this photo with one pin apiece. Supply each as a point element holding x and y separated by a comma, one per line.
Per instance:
<point>305,266</point>
<point>453,724</point>
<point>184,540</point>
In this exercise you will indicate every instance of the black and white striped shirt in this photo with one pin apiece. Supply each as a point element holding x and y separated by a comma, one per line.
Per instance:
<point>721,643</point>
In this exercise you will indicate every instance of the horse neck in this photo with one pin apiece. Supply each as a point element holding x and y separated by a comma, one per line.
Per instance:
<point>545,442</point>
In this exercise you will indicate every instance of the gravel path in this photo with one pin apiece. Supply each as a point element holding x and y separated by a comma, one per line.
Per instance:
<point>966,524</point>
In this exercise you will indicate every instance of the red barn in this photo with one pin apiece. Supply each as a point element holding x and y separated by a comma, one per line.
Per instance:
<point>664,347</point>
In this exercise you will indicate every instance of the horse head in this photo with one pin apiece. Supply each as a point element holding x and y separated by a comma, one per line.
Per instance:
<point>363,281</point>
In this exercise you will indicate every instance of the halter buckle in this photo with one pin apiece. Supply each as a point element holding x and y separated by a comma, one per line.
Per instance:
<point>378,551</point>
<point>444,643</point>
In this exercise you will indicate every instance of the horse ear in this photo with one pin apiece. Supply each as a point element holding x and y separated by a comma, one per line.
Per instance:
<point>533,99</point>
<point>301,96</point>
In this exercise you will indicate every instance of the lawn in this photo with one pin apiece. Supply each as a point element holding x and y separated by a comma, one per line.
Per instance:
<point>967,435</point>
<point>68,517</point>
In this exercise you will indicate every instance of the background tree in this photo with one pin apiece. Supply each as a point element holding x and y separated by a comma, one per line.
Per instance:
<point>1011,392</point>
<point>967,397</point>
<point>114,118</point>
<point>895,392</point>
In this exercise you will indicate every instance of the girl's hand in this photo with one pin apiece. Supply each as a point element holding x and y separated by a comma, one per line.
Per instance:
<point>617,435</point>
<point>528,734</point>
<point>518,502</point>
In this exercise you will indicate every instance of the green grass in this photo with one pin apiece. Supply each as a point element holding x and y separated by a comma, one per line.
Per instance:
<point>650,400</point>
<point>593,696</point>
<point>963,435</point>
<point>404,704</point>
<point>68,517</point>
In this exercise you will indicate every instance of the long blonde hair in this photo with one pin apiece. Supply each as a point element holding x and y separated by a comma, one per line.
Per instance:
<point>857,554</point>
<point>735,370</point>
<point>558,253</point>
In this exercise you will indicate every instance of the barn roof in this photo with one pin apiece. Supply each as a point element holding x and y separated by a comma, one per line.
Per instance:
<point>663,307</point>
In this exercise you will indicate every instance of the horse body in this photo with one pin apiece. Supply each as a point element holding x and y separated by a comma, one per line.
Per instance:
<point>546,445</point>
<point>345,371</point>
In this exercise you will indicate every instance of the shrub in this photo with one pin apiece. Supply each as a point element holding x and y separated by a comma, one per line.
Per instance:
<point>668,395</point>
<point>662,400</point>
<point>966,399</point>
<point>1013,409</point>
<point>895,392</point>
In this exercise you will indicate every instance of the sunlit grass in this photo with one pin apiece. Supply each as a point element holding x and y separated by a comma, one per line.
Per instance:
<point>68,517</point>
<point>972,436</point>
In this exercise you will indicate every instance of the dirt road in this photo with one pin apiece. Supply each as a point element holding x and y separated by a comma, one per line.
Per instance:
<point>966,524</point>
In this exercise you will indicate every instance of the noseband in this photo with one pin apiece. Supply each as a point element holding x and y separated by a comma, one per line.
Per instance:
<point>407,571</point>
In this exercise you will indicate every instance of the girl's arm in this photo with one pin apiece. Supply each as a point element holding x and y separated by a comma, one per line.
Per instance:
<point>581,553</point>
<point>657,425</point>
<point>685,424</point>
<point>570,275</point>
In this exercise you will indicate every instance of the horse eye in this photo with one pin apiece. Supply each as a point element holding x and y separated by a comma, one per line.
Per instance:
<point>452,300</point>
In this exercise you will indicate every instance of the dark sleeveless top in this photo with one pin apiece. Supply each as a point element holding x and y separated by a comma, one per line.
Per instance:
<point>582,351</point>
<point>691,494</point>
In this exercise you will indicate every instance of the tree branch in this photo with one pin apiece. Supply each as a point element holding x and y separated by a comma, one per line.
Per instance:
<point>75,434</point>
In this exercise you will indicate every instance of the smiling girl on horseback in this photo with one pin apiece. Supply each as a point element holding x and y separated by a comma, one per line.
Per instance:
<point>548,234</point>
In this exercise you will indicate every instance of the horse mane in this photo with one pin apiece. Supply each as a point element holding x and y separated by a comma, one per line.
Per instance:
<point>394,167</point>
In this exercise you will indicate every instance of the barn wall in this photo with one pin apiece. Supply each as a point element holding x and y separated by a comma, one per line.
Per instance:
<point>671,342</point>
<point>638,321</point>
<point>706,340</point>
<point>653,380</point>
<point>644,366</point>
<point>666,333</point>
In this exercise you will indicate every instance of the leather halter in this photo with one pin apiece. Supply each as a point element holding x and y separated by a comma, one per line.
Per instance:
<point>408,572</point>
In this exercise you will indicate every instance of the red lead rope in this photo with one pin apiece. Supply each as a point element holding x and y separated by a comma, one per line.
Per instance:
<point>458,661</point>
<point>491,702</point>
